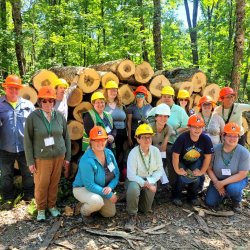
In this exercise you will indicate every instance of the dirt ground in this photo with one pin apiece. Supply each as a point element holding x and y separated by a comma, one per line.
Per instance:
<point>167,227</point>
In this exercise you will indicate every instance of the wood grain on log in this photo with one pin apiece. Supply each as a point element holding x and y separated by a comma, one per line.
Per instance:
<point>143,72</point>
<point>80,109</point>
<point>189,86</point>
<point>75,129</point>
<point>126,94</point>
<point>157,83</point>
<point>212,90</point>
<point>107,76</point>
<point>44,78</point>
<point>28,93</point>
<point>75,97</point>
<point>89,80</point>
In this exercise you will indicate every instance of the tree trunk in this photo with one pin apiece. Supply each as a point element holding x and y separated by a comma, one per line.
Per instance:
<point>238,44</point>
<point>157,34</point>
<point>246,74</point>
<point>142,29</point>
<point>4,48</point>
<point>193,30</point>
<point>17,19</point>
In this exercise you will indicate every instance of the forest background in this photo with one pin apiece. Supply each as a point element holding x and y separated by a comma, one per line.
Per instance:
<point>213,35</point>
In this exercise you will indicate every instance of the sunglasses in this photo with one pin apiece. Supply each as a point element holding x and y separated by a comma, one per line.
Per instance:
<point>48,101</point>
<point>182,100</point>
<point>140,95</point>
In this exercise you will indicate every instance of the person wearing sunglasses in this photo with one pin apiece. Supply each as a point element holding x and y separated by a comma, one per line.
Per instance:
<point>183,100</point>
<point>96,178</point>
<point>231,111</point>
<point>137,113</point>
<point>228,170</point>
<point>14,111</point>
<point>47,149</point>
<point>214,123</point>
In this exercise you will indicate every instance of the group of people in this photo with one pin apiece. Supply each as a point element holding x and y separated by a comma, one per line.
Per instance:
<point>167,143</point>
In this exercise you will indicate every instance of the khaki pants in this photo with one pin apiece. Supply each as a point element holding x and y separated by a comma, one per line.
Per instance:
<point>94,202</point>
<point>138,198</point>
<point>46,178</point>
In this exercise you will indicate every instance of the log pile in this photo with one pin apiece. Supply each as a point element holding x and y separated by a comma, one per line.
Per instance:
<point>128,76</point>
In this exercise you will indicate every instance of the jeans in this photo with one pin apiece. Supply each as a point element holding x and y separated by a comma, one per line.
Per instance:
<point>7,161</point>
<point>234,191</point>
<point>193,186</point>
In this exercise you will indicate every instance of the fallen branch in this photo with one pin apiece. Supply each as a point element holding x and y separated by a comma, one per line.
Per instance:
<point>218,213</point>
<point>202,223</point>
<point>50,235</point>
<point>227,241</point>
<point>66,244</point>
<point>149,230</point>
<point>120,234</point>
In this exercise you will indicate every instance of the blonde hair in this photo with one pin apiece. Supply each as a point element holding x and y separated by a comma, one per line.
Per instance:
<point>118,98</point>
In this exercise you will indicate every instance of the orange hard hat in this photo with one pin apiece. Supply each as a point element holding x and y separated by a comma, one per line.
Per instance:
<point>13,81</point>
<point>141,89</point>
<point>232,128</point>
<point>226,91</point>
<point>97,133</point>
<point>206,99</point>
<point>46,92</point>
<point>196,121</point>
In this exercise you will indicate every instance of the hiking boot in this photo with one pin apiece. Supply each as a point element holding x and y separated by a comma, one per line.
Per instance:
<point>237,206</point>
<point>40,215</point>
<point>54,211</point>
<point>177,202</point>
<point>130,224</point>
<point>8,205</point>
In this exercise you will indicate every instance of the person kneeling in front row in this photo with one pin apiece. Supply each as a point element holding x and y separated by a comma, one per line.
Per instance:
<point>228,170</point>
<point>144,169</point>
<point>97,177</point>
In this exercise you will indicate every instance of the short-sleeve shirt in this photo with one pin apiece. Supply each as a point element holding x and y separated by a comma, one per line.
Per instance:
<point>138,114</point>
<point>191,151</point>
<point>240,161</point>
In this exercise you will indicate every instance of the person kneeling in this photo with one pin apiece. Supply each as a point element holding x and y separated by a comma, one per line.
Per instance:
<point>97,177</point>
<point>229,169</point>
<point>144,169</point>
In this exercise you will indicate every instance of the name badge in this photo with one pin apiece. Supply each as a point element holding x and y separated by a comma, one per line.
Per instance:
<point>225,171</point>
<point>108,130</point>
<point>164,178</point>
<point>111,167</point>
<point>163,155</point>
<point>49,141</point>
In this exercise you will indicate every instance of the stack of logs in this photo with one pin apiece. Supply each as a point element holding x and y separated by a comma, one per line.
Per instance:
<point>128,76</point>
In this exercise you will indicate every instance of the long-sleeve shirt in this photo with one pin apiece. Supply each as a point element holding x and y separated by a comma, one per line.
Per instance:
<point>35,133</point>
<point>91,173</point>
<point>139,172</point>
<point>236,115</point>
<point>12,121</point>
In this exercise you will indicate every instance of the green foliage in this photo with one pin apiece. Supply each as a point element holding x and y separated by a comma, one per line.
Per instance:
<point>31,208</point>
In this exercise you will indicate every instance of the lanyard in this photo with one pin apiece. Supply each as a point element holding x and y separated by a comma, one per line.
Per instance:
<point>227,162</point>
<point>206,123</point>
<point>47,124</point>
<point>229,115</point>
<point>143,160</point>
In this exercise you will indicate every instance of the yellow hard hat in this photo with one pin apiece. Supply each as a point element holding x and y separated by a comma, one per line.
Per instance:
<point>61,82</point>
<point>182,94</point>
<point>167,90</point>
<point>144,129</point>
<point>97,95</point>
<point>111,85</point>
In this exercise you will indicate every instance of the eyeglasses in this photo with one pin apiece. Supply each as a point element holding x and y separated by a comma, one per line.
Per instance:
<point>182,100</point>
<point>140,95</point>
<point>206,104</point>
<point>146,137</point>
<point>48,100</point>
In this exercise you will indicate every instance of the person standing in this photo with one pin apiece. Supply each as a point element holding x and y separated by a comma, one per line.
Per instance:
<point>14,111</point>
<point>192,153</point>
<point>183,100</point>
<point>231,111</point>
<point>47,149</point>
<point>228,170</point>
<point>144,169</point>
<point>115,108</point>
<point>63,92</point>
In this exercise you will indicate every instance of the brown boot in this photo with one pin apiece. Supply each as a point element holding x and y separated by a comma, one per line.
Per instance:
<point>130,224</point>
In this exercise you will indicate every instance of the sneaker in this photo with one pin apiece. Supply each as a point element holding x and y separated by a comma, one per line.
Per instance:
<point>8,205</point>
<point>177,202</point>
<point>237,206</point>
<point>54,211</point>
<point>130,224</point>
<point>40,215</point>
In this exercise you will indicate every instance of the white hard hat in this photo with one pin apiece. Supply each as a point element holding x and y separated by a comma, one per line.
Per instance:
<point>162,109</point>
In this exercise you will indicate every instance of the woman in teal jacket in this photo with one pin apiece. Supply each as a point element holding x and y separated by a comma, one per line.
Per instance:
<point>97,177</point>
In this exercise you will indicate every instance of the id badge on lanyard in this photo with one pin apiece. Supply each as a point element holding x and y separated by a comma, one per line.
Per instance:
<point>49,141</point>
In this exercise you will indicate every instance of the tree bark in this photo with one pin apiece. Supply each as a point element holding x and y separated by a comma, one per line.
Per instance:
<point>157,34</point>
<point>238,44</point>
<point>246,73</point>
<point>4,48</point>
<point>17,19</point>
<point>192,26</point>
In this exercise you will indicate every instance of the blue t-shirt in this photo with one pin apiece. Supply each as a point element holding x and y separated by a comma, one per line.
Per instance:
<point>191,151</point>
